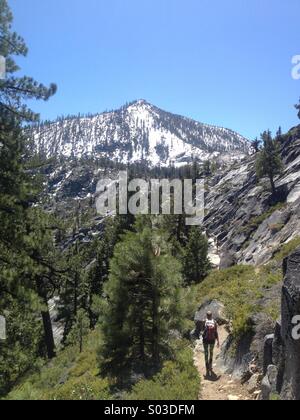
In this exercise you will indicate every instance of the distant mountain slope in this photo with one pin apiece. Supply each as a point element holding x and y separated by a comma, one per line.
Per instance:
<point>139,132</point>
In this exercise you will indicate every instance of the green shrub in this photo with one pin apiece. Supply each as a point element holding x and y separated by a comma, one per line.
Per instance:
<point>86,388</point>
<point>178,380</point>
<point>70,376</point>
<point>275,397</point>
<point>287,249</point>
<point>273,310</point>
<point>25,393</point>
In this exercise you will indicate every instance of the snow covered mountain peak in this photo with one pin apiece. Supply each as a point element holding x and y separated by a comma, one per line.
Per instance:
<point>138,132</point>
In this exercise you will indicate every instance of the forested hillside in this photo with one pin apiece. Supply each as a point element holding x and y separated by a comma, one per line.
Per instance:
<point>138,132</point>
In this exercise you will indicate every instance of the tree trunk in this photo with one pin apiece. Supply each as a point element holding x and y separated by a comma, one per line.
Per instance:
<point>81,338</point>
<point>142,340</point>
<point>48,330</point>
<point>197,268</point>
<point>272,184</point>
<point>155,329</point>
<point>75,295</point>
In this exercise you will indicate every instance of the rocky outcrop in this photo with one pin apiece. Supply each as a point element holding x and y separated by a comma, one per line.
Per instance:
<point>268,352</point>
<point>274,352</point>
<point>269,383</point>
<point>246,222</point>
<point>291,345</point>
<point>282,350</point>
<point>236,357</point>
<point>244,357</point>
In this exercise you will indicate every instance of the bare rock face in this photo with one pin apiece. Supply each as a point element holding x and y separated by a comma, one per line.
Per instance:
<point>253,383</point>
<point>291,345</point>
<point>281,353</point>
<point>269,383</point>
<point>278,356</point>
<point>244,218</point>
<point>268,352</point>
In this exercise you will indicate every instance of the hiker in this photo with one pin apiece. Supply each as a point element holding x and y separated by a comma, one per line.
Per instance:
<point>210,336</point>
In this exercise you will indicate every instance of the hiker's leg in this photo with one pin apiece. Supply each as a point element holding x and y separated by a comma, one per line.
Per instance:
<point>206,352</point>
<point>211,356</point>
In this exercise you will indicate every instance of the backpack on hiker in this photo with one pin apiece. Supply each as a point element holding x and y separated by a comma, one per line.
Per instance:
<point>210,332</point>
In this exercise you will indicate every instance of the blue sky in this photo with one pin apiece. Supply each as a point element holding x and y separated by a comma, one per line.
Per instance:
<point>221,62</point>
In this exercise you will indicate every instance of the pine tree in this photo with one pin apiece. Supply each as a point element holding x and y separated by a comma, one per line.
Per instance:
<point>214,167</point>
<point>279,134</point>
<point>298,108</point>
<point>27,269</point>
<point>48,269</point>
<point>14,91</point>
<point>207,168</point>
<point>79,330</point>
<point>74,289</point>
<point>196,263</point>
<point>256,145</point>
<point>23,343</point>
<point>98,275</point>
<point>143,304</point>
<point>176,230</point>
<point>195,171</point>
<point>268,162</point>
<point>88,270</point>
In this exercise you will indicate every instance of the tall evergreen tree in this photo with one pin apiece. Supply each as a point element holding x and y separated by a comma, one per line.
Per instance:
<point>256,145</point>
<point>26,241</point>
<point>268,162</point>
<point>298,108</point>
<point>13,90</point>
<point>196,263</point>
<point>89,264</point>
<point>207,168</point>
<point>143,303</point>
<point>279,134</point>
<point>79,330</point>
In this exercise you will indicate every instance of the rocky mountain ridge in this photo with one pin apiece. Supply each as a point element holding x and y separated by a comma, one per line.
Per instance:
<point>138,132</point>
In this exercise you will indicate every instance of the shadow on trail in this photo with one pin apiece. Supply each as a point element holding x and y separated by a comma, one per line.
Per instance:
<point>212,378</point>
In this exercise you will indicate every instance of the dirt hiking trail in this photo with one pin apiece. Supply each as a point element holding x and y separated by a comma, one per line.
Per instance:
<point>220,387</point>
